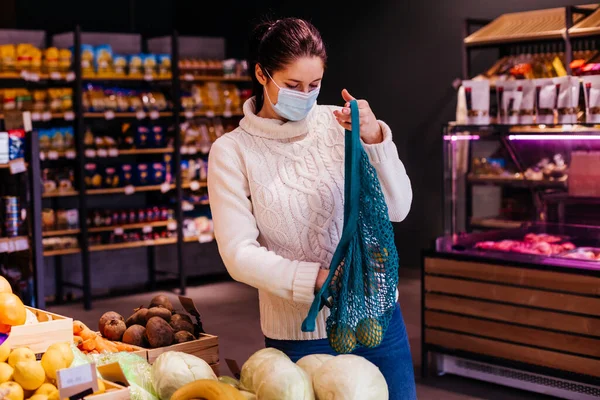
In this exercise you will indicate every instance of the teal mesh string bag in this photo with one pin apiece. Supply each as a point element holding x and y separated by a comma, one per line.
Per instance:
<point>361,286</point>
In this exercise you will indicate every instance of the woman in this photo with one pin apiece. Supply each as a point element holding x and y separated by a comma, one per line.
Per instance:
<point>276,187</point>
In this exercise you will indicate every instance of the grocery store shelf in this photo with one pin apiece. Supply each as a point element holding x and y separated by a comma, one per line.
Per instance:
<point>512,181</point>
<point>190,185</point>
<point>198,78</point>
<point>70,193</point>
<point>209,114</point>
<point>190,239</point>
<point>60,232</point>
<point>11,245</point>
<point>140,225</point>
<point>495,223</point>
<point>161,114</point>
<point>541,129</point>
<point>58,155</point>
<point>61,252</point>
<point>130,245</point>
<point>125,79</point>
<point>136,189</point>
<point>52,115</point>
<point>58,77</point>
<point>164,150</point>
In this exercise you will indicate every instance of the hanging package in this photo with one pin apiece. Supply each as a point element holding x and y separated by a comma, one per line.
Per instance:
<point>361,286</point>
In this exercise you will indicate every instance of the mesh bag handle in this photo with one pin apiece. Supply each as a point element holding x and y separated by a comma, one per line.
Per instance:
<point>353,152</point>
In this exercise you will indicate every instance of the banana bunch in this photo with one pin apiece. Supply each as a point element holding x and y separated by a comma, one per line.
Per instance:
<point>210,390</point>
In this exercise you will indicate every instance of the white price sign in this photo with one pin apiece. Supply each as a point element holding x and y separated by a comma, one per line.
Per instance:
<point>34,77</point>
<point>55,76</point>
<point>70,76</point>
<point>148,77</point>
<point>118,231</point>
<point>154,114</point>
<point>140,115</point>
<point>108,115</point>
<point>69,116</point>
<point>192,150</point>
<point>46,116</point>
<point>129,190</point>
<point>188,77</point>
<point>102,153</point>
<point>53,155</point>
<point>76,380</point>
<point>25,75</point>
<point>113,152</point>
<point>36,116</point>
<point>165,187</point>
<point>42,156</point>
<point>172,226</point>
<point>189,114</point>
<point>17,166</point>
<point>210,114</point>
<point>195,185</point>
<point>90,153</point>
<point>184,150</point>
<point>147,229</point>
<point>227,114</point>
<point>70,154</point>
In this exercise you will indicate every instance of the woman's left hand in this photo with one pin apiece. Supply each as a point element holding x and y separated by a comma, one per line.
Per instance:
<point>370,130</point>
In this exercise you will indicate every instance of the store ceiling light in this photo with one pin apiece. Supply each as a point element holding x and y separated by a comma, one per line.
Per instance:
<point>554,137</point>
<point>454,138</point>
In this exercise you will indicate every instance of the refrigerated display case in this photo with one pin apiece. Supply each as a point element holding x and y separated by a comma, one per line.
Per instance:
<point>511,291</point>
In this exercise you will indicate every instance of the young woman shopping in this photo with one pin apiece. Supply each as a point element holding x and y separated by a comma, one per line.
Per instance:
<point>276,186</point>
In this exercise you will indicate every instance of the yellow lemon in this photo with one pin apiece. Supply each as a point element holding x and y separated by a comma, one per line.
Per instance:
<point>54,396</point>
<point>6,372</point>
<point>46,389</point>
<point>342,339</point>
<point>52,361</point>
<point>39,397</point>
<point>65,350</point>
<point>101,387</point>
<point>20,354</point>
<point>29,374</point>
<point>11,391</point>
<point>4,352</point>
<point>369,332</point>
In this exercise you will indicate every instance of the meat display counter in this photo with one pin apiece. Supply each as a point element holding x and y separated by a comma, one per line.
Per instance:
<point>511,291</point>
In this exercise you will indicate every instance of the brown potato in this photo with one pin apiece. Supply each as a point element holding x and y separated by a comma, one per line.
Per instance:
<point>158,333</point>
<point>184,317</point>
<point>135,335</point>
<point>161,301</point>
<point>181,325</point>
<point>106,317</point>
<point>158,312</point>
<point>114,330</point>
<point>182,337</point>
<point>138,318</point>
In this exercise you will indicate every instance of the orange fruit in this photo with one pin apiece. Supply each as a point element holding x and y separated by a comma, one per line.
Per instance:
<point>4,328</point>
<point>12,310</point>
<point>4,285</point>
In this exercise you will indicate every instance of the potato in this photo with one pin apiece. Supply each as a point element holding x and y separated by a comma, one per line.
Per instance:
<point>181,325</point>
<point>158,333</point>
<point>135,335</point>
<point>158,312</point>
<point>114,330</point>
<point>161,301</point>
<point>184,317</point>
<point>182,337</point>
<point>138,318</point>
<point>106,317</point>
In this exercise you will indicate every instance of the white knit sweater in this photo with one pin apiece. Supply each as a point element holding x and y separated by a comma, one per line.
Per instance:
<point>277,192</point>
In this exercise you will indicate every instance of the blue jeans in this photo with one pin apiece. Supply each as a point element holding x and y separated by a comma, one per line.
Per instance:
<point>392,357</point>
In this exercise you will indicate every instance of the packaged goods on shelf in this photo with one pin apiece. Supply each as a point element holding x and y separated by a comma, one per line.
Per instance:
<point>26,57</point>
<point>53,100</point>
<point>109,218</point>
<point>218,98</point>
<point>140,136</point>
<point>53,220</point>
<point>99,99</point>
<point>200,228</point>
<point>60,243</point>
<point>229,68</point>
<point>58,139</point>
<point>58,180</point>
<point>194,170</point>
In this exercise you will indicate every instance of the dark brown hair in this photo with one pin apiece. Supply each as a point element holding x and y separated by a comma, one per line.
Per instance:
<point>275,44</point>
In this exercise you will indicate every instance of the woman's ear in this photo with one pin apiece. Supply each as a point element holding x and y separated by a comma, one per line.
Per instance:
<point>260,75</point>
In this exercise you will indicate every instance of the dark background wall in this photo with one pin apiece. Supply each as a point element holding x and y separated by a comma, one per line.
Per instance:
<point>400,55</point>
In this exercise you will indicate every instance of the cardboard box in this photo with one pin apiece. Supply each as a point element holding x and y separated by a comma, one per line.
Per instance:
<point>53,328</point>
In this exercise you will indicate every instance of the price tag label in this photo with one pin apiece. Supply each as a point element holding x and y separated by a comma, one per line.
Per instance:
<point>113,373</point>
<point>148,77</point>
<point>118,231</point>
<point>70,77</point>
<point>46,116</point>
<point>172,226</point>
<point>189,114</point>
<point>140,115</point>
<point>154,114</point>
<point>227,114</point>
<point>55,76</point>
<point>53,155</point>
<point>74,382</point>
<point>195,185</point>
<point>184,150</point>
<point>11,246</point>
<point>102,153</point>
<point>147,229</point>
<point>108,115</point>
<point>25,75</point>
<point>21,244</point>
<point>210,114</point>
<point>165,187</point>
<point>69,116</point>
<point>3,246</point>
<point>34,77</point>
<point>129,190</point>
<point>70,154</point>
<point>42,156</point>
<point>90,153</point>
<point>188,77</point>
<point>17,166</point>
<point>205,238</point>
<point>192,150</point>
<point>36,116</point>
<point>113,152</point>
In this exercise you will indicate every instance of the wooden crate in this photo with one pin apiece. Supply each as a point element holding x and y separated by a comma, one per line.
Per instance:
<point>53,328</point>
<point>207,348</point>
<point>113,392</point>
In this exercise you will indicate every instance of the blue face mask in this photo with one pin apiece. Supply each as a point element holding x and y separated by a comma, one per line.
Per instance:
<point>292,104</point>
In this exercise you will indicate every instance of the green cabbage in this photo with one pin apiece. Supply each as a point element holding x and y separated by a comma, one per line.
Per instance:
<point>173,369</point>
<point>250,366</point>
<point>280,378</point>
<point>313,362</point>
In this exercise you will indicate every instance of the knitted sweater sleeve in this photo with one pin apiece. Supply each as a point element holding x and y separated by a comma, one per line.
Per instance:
<point>392,175</point>
<point>237,233</point>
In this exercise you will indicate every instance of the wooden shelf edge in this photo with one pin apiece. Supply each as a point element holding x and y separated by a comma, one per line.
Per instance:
<point>141,225</point>
<point>60,194</point>
<point>138,189</point>
<point>163,150</point>
<point>125,78</point>
<point>61,252</point>
<point>131,245</point>
<point>208,78</point>
<point>60,232</point>
<point>124,114</point>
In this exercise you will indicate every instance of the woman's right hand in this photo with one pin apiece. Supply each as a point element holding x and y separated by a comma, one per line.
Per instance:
<point>321,277</point>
